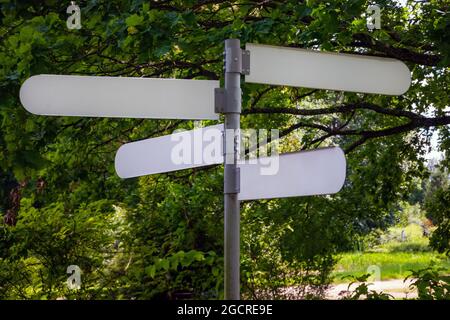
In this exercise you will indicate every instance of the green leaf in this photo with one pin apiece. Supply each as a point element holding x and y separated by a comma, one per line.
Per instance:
<point>151,271</point>
<point>134,20</point>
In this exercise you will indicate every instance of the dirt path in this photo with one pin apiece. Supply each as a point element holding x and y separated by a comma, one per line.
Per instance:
<point>399,289</point>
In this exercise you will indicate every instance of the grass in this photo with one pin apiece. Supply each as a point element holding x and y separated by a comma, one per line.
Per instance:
<point>393,258</point>
<point>392,265</point>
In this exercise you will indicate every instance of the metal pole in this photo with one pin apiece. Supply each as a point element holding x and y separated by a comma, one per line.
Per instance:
<point>233,68</point>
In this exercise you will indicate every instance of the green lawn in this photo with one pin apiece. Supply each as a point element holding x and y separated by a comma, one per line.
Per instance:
<point>394,258</point>
<point>393,265</point>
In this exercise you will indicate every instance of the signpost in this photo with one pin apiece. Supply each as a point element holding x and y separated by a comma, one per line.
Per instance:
<point>178,151</point>
<point>304,173</point>
<point>320,171</point>
<point>326,70</point>
<point>122,97</point>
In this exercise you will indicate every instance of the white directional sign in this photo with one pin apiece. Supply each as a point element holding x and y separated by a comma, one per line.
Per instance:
<point>320,171</point>
<point>124,97</point>
<point>181,150</point>
<point>326,70</point>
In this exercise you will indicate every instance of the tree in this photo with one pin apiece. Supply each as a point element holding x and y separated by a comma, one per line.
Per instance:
<point>437,204</point>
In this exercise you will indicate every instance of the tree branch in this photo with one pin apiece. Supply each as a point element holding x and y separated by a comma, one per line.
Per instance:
<point>366,41</point>
<point>365,135</point>
<point>338,109</point>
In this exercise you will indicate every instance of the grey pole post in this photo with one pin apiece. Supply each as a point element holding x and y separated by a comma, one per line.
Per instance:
<point>233,69</point>
<point>228,102</point>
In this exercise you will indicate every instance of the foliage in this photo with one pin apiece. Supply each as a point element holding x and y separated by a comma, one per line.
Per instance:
<point>439,207</point>
<point>172,248</point>
<point>410,238</point>
<point>431,283</point>
<point>286,254</point>
<point>37,251</point>
<point>362,290</point>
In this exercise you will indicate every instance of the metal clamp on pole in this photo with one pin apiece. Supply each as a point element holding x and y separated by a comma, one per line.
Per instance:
<point>237,60</point>
<point>220,101</point>
<point>232,185</point>
<point>245,62</point>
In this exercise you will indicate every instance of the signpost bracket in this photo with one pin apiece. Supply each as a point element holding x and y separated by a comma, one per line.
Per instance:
<point>245,62</point>
<point>232,185</point>
<point>224,105</point>
<point>237,60</point>
<point>220,100</point>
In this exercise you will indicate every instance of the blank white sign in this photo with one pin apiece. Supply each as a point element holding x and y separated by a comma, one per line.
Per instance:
<point>304,173</point>
<point>181,150</point>
<point>123,97</point>
<point>325,70</point>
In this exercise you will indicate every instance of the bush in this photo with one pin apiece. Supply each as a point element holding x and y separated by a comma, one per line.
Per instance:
<point>438,206</point>
<point>431,283</point>
<point>362,292</point>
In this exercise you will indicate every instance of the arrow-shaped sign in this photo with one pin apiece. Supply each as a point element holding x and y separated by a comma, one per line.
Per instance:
<point>178,151</point>
<point>124,97</point>
<point>304,173</point>
<point>326,70</point>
